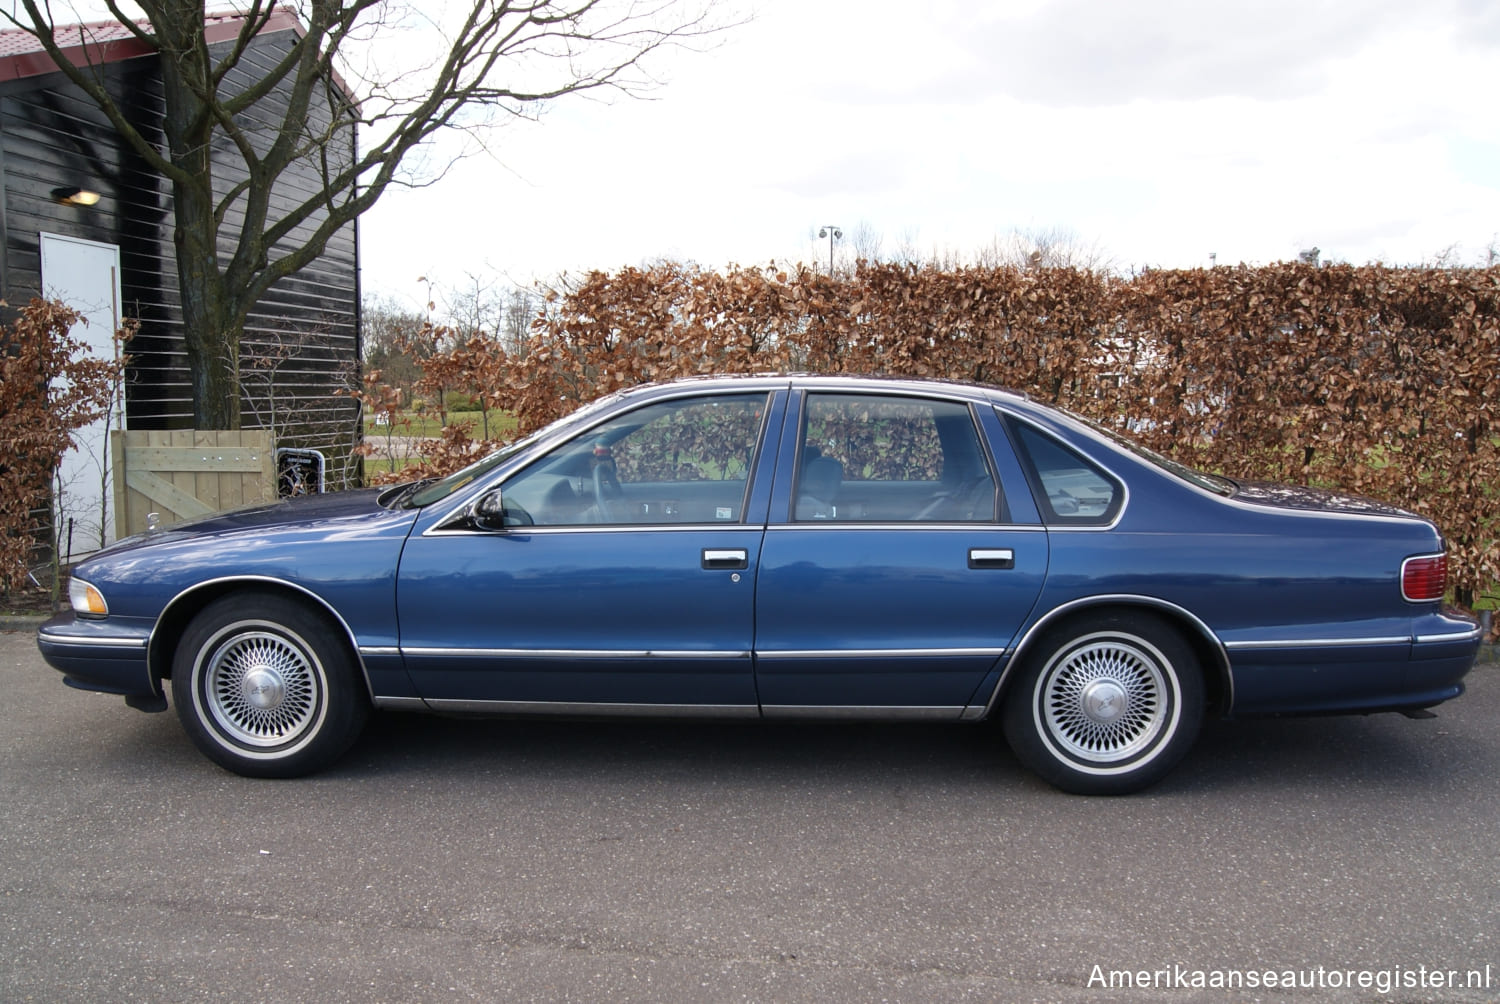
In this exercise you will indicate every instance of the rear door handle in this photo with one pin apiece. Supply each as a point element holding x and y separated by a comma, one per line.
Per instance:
<point>992,557</point>
<point>728,557</point>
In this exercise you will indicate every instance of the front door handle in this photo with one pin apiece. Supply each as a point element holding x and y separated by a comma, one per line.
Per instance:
<point>728,557</point>
<point>992,557</point>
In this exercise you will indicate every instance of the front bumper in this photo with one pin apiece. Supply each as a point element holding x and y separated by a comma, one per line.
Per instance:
<point>108,656</point>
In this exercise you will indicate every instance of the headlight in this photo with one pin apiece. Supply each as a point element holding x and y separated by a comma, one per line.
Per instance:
<point>86,600</point>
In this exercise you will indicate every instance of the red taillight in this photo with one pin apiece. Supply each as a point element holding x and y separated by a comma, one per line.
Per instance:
<point>1424,579</point>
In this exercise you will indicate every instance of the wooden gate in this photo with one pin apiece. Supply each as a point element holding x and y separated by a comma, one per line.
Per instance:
<point>183,473</point>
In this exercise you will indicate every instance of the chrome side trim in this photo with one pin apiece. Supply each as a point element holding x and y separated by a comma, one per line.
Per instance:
<point>379,650</point>
<point>1245,646</point>
<point>400,703</point>
<point>1437,639</point>
<point>877,653</point>
<point>860,712</point>
<point>116,641</point>
<point>547,531</point>
<point>1129,599</point>
<point>583,708</point>
<point>567,653</point>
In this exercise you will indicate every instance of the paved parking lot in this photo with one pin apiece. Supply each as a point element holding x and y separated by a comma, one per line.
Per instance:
<point>465,860</point>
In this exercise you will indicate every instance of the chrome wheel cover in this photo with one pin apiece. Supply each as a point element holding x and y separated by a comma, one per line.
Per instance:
<point>262,689</point>
<point>1106,699</point>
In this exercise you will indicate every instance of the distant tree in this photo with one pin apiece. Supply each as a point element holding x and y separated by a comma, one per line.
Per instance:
<point>492,57</point>
<point>866,241</point>
<point>1051,247</point>
<point>475,308</point>
<point>906,248</point>
<point>521,309</point>
<point>392,337</point>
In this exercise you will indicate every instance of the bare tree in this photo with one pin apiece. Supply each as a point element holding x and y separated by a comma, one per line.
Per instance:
<point>1052,247</point>
<point>494,58</point>
<point>475,308</point>
<point>906,248</point>
<point>867,242</point>
<point>521,310</point>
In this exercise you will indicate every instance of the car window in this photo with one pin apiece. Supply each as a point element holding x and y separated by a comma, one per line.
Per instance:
<point>875,458</point>
<point>679,461</point>
<point>1073,490</point>
<point>418,494</point>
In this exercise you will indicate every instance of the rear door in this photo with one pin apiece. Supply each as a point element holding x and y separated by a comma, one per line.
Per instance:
<point>898,564</point>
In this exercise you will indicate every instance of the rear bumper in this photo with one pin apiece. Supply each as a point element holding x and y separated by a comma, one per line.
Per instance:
<point>1388,674</point>
<point>104,656</point>
<point>1439,662</point>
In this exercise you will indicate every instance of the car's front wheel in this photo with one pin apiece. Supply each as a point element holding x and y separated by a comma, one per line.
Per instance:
<point>266,688</point>
<point>1105,705</point>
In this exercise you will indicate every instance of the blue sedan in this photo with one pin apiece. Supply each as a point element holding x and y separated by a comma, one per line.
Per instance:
<point>782,547</point>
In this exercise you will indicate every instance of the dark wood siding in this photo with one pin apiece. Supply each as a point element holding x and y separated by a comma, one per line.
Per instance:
<point>301,341</point>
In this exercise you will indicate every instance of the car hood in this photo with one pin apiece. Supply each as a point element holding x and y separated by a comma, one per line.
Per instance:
<point>1308,499</point>
<point>303,512</point>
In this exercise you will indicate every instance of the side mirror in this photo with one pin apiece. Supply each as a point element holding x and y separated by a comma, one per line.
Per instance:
<point>488,511</point>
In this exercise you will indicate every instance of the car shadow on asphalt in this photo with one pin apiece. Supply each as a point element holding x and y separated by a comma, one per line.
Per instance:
<point>400,743</point>
<point>1378,752</point>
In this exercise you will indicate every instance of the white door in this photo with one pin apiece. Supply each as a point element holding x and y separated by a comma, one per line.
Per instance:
<point>86,276</point>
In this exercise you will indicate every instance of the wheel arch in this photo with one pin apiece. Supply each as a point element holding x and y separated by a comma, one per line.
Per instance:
<point>182,608</point>
<point>1218,680</point>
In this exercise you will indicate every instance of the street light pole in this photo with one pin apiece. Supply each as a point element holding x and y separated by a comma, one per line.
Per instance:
<point>833,233</point>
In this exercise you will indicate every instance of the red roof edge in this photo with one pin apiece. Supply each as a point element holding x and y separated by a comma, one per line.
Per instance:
<point>34,64</point>
<point>217,27</point>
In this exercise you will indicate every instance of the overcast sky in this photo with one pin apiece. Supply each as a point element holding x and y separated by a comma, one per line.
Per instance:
<point>1158,131</point>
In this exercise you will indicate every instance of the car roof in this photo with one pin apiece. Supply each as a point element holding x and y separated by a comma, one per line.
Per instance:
<point>847,383</point>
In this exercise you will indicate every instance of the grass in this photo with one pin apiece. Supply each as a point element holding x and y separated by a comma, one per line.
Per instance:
<point>410,426</point>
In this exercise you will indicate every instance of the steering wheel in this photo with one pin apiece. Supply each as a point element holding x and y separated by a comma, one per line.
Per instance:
<point>606,487</point>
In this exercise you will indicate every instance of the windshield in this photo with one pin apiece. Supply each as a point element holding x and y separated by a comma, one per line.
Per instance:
<point>1208,482</point>
<point>443,487</point>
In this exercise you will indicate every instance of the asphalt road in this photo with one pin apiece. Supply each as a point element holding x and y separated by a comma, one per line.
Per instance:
<point>462,860</point>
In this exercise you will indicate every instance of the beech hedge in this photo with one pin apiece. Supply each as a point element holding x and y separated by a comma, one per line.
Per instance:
<point>1381,381</point>
<point>50,386</point>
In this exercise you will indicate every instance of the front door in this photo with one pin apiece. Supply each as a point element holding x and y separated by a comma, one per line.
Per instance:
<point>624,578</point>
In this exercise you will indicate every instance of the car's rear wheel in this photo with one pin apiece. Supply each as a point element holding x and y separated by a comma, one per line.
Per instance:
<point>1105,705</point>
<point>266,688</point>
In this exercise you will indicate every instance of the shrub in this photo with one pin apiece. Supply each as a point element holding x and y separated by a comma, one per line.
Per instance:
<point>49,386</point>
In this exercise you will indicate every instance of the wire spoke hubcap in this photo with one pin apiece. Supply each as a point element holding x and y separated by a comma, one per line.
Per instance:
<point>261,689</point>
<point>1105,701</point>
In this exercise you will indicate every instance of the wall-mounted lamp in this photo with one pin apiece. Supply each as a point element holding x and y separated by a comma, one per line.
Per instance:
<point>73,196</point>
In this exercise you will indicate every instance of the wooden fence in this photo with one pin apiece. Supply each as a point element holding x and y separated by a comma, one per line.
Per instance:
<point>184,473</point>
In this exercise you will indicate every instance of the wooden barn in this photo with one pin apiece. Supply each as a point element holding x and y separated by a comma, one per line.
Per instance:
<point>87,222</point>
